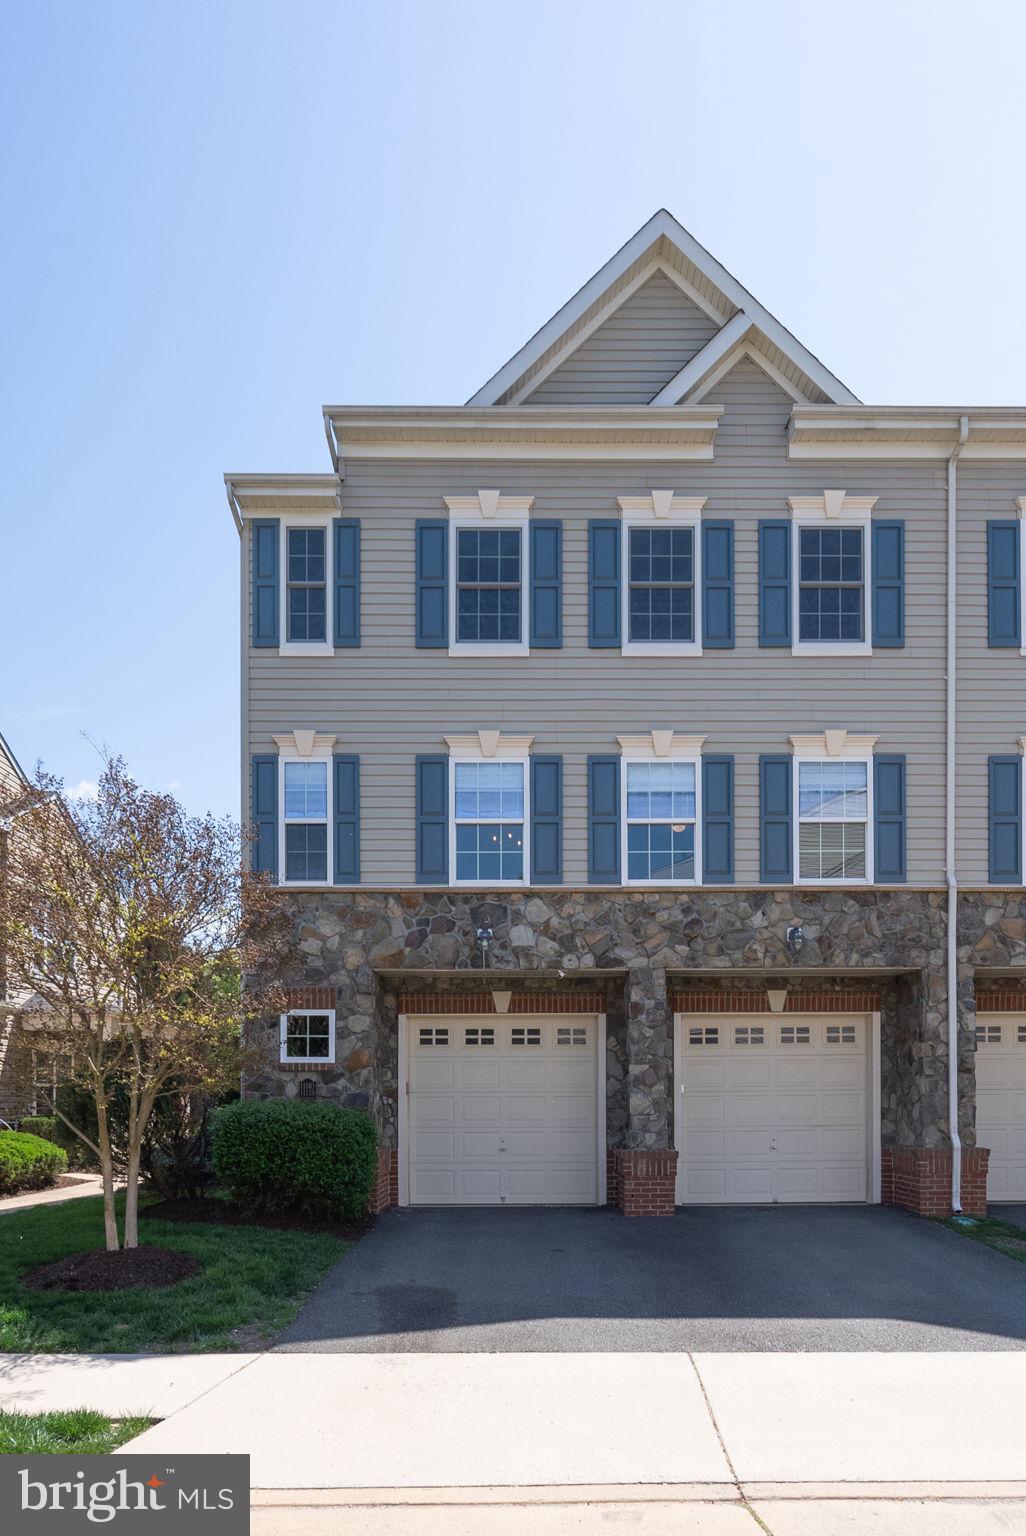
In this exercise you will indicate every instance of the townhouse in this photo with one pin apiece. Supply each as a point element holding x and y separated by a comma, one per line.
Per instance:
<point>639,749</point>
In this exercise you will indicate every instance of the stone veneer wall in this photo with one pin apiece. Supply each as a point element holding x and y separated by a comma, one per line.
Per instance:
<point>369,945</point>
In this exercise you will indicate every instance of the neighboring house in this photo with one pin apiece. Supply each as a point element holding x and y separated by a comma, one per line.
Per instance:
<point>598,734</point>
<point>15,1068</point>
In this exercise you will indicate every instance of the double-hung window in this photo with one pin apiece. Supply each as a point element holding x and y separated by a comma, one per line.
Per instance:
<point>488,574</point>
<point>489,822</point>
<point>305,820</point>
<point>834,820</point>
<point>308,1035</point>
<point>661,556</point>
<point>829,579</point>
<point>489,585</point>
<point>661,809</point>
<point>306,585</point>
<point>831,584</point>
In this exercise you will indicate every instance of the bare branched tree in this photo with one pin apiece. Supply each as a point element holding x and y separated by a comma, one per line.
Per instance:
<point>122,917</point>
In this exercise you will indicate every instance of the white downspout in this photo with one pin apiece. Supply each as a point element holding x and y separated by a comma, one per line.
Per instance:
<point>949,819</point>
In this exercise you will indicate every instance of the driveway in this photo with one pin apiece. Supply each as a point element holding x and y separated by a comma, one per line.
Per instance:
<point>710,1279</point>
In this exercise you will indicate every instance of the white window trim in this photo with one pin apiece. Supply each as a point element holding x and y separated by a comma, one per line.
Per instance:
<point>487,746</point>
<point>831,747</point>
<point>305,747</point>
<point>490,509</point>
<point>661,746</point>
<point>325,647</point>
<point>1020,507</point>
<point>839,509</point>
<point>306,1061</point>
<point>659,509</point>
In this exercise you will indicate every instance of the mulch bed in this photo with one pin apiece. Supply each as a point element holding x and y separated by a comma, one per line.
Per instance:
<point>152,1268</point>
<point>228,1213</point>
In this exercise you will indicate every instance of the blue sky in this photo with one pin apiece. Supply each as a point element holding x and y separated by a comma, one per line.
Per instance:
<point>220,216</point>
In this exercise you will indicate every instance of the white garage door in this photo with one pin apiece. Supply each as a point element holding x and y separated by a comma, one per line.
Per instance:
<point>775,1108</point>
<point>1001,1101</point>
<point>503,1111</point>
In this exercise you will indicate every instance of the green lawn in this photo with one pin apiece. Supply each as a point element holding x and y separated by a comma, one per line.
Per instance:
<point>252,1279</point>
<point>1002,1235</point>
<point>80,1432</point>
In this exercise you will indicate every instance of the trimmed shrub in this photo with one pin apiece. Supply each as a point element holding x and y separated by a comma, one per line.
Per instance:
<point>28,1162</point>
<point>278,1154</point>
<point>40,1125</point>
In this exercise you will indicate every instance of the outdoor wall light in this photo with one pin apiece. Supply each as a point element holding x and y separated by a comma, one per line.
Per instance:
<point>794,939</point>
<point>484,938</point>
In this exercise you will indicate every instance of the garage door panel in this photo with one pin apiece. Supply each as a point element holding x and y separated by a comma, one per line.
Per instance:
<point>748,1109</point>
<point>425,1111</point>
<point>776,1111</point>
<point>502,1113</point>
<point>478,1073</point>
<point>749,1072</point>
<point>789,1073</point>
<point>478,1107</point>
<point>522,1072</point>
<point>432,1072</point>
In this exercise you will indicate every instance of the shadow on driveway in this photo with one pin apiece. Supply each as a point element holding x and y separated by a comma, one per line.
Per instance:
<point>785,1278</point>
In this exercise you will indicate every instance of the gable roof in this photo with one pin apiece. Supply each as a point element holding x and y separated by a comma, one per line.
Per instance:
<point>664,245</point>
<point>9,756</point>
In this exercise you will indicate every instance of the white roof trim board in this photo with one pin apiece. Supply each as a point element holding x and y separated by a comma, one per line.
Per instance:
<point>662,226</point>
<point>9,755</point>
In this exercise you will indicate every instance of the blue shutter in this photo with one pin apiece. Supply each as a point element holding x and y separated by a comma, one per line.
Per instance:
<point>775,820</point>
<point>1005,783</point>
<point>774,582</point>
<point>432,583</point>
<point>717,820</point>
<point>432,820</point>
<point>546,584</point>
<point>347,581</point>
<point>888,584</point>
<point>266,534</point>
<point>718,586</point>
<point>890,814</point>
<point>1004,597</point>
<point>546,821</point>
<point>603,582</point>
<point>263,791</point>
<point>603,821</point>
<point>347,819</point>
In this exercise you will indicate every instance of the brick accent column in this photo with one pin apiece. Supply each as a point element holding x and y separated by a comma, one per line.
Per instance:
<point>919,1179</point>
<point>384,1191</point>
<point>643,1182</point>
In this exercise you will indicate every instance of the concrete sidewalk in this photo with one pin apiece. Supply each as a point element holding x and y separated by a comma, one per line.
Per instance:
<point>85,1184</point>
<point>415,1421</point>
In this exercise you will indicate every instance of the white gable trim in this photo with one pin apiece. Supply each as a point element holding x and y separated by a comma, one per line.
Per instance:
<point>606,312</point>
<point>661,226</point>
<point>750,351</point>
<point>712,353</point>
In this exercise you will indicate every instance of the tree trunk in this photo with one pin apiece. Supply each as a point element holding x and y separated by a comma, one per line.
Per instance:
<point>110,1220</point>
<point>139,1110</point>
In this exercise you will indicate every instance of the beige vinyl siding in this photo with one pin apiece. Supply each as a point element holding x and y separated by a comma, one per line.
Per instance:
<point>11,782</point>
<point>388,701</point>
<point>991,683</point>
<point>634,353</point>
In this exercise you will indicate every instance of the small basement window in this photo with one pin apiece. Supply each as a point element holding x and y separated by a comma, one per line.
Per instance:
<point>308,1034</point>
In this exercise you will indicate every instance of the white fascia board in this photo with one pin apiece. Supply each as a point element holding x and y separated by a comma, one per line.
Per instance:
<point>661,225</point>
<point>926,432</point>
<point>703,362</point>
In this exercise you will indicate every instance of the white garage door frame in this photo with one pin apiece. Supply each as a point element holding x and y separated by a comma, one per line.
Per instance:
<point>1001,1038</point>
<point>873,1096</point>
<point>408,1020</point>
